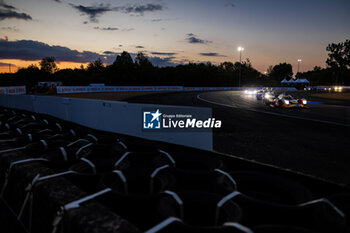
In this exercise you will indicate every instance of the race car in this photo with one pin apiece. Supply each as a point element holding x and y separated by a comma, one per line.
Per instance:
<point>269,97</point>
<point>260,95</point>
<point>287,101</point>
<point>250,91</point>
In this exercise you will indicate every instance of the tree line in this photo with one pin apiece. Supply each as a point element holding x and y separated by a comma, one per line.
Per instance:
<point>140,71</point>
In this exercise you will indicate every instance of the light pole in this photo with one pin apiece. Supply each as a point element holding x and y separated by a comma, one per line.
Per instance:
<point>240,49</point>
<point>299,60</point>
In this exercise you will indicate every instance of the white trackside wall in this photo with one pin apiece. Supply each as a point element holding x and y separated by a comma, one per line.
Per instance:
<point>112,116</point>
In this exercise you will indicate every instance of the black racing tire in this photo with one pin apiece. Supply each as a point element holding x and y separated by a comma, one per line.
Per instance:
<point>99,165</point>
<point>317,216</point>
<point>197,162</point>
<point>143,160</point>
<point>199,209</point>
<point>140,210</point>
<point>180,180</point>
<point>38,148</point>
<point>177,227</point>
<point>104,151</point>
<point>342,201</point>
<point>138,182</point>
<point>272,188</point>
<point>87,182</point>
<point>281,228</point>
<point>142,147</point>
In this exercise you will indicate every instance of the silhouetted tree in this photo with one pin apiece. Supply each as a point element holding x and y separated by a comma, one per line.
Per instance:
<point>339,61</point>
<point>48,65</point>
<point>269,70</point>
<point>226,66</point>
<point>281,71</point>
<point>317,68</point>
<point>123,60</point>
<point>95,66</point>
<point>339,55</point>
<point>142,61</point>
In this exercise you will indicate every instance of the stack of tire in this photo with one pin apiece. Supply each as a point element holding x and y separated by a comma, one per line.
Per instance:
<point>160,190</point>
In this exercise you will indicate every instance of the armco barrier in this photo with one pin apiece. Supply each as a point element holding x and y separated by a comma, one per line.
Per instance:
<point>91,89</point>
<point>285,89</point>
<point>95,89</point>
<point>112,116</point>
<point>14,90</point>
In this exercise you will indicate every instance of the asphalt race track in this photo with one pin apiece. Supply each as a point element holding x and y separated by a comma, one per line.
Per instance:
<point>314,141</point>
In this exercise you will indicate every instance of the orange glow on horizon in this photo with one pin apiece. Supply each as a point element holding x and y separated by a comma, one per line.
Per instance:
<point>17,64</point>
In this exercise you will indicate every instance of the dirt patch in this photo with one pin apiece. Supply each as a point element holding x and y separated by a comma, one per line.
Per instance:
<point>334,96</point>
<point>108,96</point>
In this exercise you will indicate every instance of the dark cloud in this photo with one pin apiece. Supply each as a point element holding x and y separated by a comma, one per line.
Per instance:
<point>108,52</point>
<point>8,7</point>
<point>163,54</point>
<point>128,29</point>
<point>13,14</point>
<point>230,4</point>
<point>162,62</point>
<point>14,29</point>
<point>30,50</point>
<point>92,11</point>
<point>160,20</point>
<point>6,64</point>
<point>139,47</point>
<point>10,12</point>
<point>157,20</point>
<point>193,39</point>
<point>139,9</point>
<point>59,1</point>
<point>212,55</point>
<point>106,28</point>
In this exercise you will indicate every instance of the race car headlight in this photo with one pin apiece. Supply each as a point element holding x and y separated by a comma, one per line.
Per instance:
<point>267,96</point>
<point>304,101</point>
<point>246,92</point>
<point>286,102</point>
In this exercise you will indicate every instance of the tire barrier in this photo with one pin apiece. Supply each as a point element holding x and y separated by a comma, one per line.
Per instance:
<point>272,188</point>
<point>200,209</point>
<point>205,181</point>
<point>197,162</point>
<point>57,176</point>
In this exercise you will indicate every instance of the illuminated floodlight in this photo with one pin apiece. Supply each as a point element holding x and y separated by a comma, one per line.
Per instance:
<point>240,49</point>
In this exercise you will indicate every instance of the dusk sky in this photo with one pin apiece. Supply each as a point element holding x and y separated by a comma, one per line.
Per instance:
<point>171,32</point>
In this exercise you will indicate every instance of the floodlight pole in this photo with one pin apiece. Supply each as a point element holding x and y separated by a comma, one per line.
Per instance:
<point>299,60</point>
<point>240,49</point>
